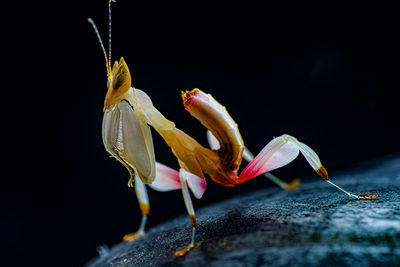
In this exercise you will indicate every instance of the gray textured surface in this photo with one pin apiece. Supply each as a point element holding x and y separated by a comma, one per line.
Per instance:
<point>313,226</point>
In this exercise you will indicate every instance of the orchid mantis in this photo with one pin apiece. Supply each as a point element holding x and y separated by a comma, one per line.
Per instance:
<point>128,112</point>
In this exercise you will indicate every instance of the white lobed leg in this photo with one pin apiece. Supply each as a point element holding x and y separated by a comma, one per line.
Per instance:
<point>281,151</point>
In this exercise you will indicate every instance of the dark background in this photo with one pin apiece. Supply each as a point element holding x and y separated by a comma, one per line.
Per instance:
<point>327,75</point>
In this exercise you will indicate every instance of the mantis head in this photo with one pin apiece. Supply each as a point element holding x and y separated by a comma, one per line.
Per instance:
<point>118,83</point>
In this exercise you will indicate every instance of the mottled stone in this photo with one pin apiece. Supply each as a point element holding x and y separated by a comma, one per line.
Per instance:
<point>313,226</point>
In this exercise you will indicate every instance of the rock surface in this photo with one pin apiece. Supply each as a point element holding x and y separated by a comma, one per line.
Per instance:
<point>313,226</point>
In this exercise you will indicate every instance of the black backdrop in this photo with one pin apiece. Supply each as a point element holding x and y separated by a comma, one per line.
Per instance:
<point>325,74</point>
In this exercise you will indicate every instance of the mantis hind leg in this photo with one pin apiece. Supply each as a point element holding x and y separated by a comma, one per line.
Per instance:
<point>283,150</point>
<point>141,194</point>
<point>248,156</point>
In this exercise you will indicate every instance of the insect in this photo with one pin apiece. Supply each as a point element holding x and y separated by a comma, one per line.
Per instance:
<point>128,113</point>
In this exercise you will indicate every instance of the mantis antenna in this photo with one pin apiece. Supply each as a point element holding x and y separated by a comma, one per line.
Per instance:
<point>101,42</point>
<point>109,30</point>
<point>108,59</point>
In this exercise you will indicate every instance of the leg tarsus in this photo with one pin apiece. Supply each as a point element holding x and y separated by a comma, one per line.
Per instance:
<point>136,235</point>
<point>133,236</point>
<point>186,249</point>
<point>292,185</point>
<point>368,197</point>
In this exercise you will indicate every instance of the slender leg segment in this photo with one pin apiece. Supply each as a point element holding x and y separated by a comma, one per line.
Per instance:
<point>144,204</point>
<point>189,207</point>
<point>248,156</point>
